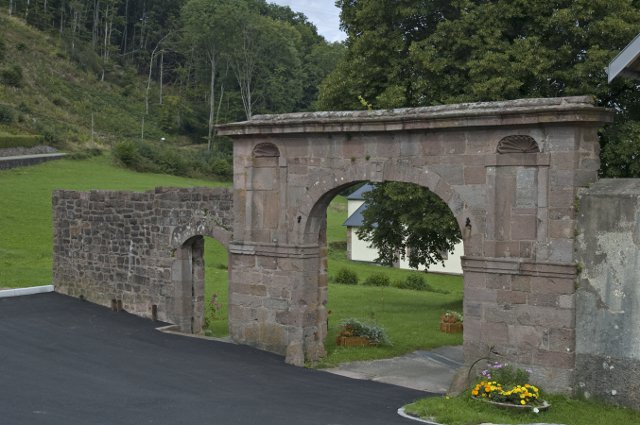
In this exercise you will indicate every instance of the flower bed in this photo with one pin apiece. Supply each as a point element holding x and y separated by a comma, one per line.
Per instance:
<point>522,395</point>
<point>502,386</point>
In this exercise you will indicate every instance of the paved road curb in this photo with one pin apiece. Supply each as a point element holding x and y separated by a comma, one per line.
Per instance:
<point>404,414</point>
<point>18,292</point>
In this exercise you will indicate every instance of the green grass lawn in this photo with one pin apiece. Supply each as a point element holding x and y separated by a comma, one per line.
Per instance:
<point>463,410</point>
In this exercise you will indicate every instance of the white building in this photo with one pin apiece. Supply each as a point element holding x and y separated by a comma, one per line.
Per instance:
<point>359,250</point>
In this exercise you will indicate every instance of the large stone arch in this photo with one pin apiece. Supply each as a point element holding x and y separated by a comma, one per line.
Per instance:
<point>320,196</point>
<point>512,168</point>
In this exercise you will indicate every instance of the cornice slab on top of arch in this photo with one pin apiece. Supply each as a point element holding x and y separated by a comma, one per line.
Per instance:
<point>312,203</point>
<point>579,109</point>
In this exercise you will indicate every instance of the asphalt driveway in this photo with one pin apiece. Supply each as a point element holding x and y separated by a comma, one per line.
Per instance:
<point>68,362</point>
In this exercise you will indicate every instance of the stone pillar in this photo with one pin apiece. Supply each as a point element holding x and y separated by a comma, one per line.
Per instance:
<point>608,295</point>
<point>277,300</point>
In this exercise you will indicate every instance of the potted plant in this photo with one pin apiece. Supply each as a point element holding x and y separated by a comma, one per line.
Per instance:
<point>354,333</point>
<point>451,322</point>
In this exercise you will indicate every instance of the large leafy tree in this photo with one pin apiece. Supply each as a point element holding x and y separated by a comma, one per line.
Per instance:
<point>405,220</point>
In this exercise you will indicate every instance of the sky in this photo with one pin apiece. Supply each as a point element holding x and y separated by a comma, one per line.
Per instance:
<point>323,13</point>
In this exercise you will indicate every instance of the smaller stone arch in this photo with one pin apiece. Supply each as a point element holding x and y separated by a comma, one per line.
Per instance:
<point>518,143</point>
<point>187,277</point>
<point>208,226</point>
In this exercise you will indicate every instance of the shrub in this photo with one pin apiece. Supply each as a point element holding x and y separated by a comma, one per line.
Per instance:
<point>23,141</point>
<point>12,76</point>
<point>50,137</point>
<point>377,279</point>
<point>169,159</point>
<point>6,114</point>
<point>416,282</point>
<point>374,333</point>
<point>338,245</point>
<point>126,154</point>
<point>85,154</point>
<point>221,168</point>
<point>346,276</point>
<point>3,49</point>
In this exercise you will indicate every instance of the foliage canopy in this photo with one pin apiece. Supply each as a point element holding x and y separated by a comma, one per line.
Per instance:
<point>405,220</point>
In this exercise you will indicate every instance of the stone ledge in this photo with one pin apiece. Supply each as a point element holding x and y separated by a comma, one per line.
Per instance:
<point>274,250</point>
<point>518,267</point>
<point>487,114</point>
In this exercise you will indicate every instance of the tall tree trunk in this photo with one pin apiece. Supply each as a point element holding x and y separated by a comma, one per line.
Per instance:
<point>125,30</point>
<point>94,30</point>
<point>153,54</point>
<point>161,73</point>
<point>10,7</point>
<point>61,18</point>
<point>74,28</point>
<point>212,98</point>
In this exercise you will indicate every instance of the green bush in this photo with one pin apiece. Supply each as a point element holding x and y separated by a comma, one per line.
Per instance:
<point>22,141</point>
<point>346,276</point>
<point>221,168</point>
<point>6,114</point>
<point>3,49</point>
<point>85,154</point>
<point>126,154</point>
<point>338,245</point>
<point>12,76</point>
<point>377,279</point>
<point>168,159</point>
<point>50,137</point>
<point>412,281</point>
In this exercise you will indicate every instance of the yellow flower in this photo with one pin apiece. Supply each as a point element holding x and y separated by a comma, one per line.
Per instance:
<point>523,402</point>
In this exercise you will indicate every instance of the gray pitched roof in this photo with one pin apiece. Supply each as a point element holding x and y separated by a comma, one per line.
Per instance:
<point>357,195</point>
<point>627,63</point>
<point>355,219</point>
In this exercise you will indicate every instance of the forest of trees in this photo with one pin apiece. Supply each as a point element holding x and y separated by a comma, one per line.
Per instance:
<point>205,61</point>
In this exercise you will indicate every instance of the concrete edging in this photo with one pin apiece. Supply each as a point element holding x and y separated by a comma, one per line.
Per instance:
<point>18,292</point>
<point>404,414</point>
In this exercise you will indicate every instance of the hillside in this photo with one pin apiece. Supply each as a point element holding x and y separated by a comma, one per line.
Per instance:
<point>58,99</point>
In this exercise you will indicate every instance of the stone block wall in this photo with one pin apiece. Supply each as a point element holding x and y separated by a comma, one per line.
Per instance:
<point>608,294</point>
<point>130,248</point>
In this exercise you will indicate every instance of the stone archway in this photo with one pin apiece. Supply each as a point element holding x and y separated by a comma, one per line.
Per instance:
<point>509,171</point>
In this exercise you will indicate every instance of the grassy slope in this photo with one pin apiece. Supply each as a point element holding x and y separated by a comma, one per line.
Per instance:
<point>59,98</point>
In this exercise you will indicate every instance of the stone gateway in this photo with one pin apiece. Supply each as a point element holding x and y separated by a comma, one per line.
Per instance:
<point>509,171</point>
